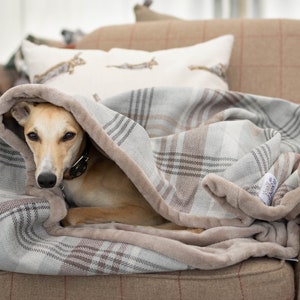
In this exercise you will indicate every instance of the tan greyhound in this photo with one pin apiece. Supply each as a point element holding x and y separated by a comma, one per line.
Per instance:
<point>64,154</point>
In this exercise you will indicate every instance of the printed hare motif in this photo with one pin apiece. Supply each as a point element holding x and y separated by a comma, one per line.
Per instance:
<point>144,65</point>
<point>60,68</point>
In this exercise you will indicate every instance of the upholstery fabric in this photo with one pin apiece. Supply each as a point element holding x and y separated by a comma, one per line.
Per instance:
<point>255,279</point>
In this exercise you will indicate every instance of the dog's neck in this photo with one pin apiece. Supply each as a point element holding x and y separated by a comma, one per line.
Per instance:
<point>80,165</point>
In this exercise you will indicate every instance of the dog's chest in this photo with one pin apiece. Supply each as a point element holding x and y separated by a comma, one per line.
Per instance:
<point>104,184</point>
<point>79,195</point>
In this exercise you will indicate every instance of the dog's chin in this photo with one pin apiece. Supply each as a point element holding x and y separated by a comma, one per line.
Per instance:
<point>48,180</point>
<point>47,188</point>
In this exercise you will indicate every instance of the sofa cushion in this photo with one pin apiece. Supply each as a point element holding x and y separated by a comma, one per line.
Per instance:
<point>104,73</point>
<point>264,59</point>
<point>253,279</point>
<point>143,13</point>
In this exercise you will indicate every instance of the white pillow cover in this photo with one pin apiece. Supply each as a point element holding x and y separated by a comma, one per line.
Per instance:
<point>107,73</point>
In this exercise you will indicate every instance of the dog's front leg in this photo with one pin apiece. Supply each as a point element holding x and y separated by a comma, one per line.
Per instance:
<point>132,215</point>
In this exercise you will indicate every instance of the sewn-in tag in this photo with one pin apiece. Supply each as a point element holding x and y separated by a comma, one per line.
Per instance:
<point>268,188</point>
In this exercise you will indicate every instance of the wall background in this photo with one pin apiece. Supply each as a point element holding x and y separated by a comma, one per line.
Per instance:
<point>46,18</point>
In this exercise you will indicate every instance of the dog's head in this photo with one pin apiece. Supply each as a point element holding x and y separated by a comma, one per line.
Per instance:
<point>54,137</point>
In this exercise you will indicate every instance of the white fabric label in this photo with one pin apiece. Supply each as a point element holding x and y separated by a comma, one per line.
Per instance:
<point>268,188</point>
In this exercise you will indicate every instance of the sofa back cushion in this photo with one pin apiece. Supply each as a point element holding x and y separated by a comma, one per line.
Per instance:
<point>265,58</point>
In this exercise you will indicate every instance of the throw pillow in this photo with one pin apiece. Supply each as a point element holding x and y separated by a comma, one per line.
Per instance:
<point>143,13</point>
<point>90,72</point>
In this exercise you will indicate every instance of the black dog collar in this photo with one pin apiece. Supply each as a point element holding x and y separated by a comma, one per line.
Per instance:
<point>80,166</point>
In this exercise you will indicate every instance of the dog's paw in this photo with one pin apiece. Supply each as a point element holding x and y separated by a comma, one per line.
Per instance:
<point>195,230</point>
<point>73,217</point>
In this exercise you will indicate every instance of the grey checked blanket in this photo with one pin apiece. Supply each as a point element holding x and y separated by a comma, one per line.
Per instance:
<point>224,161</point>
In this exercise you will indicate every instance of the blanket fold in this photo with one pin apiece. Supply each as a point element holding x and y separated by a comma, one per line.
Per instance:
<point>224,161</point>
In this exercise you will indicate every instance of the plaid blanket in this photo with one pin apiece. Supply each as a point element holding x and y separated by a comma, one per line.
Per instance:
<point>224,161</point>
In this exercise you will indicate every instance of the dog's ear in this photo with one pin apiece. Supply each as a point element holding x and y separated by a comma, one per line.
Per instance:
<point>21,112</point>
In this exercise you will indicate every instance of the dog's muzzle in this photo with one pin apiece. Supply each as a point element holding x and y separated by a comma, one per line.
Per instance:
<point>46,180</point>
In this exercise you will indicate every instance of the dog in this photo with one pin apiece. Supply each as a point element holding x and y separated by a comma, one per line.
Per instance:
<point>64,155</point>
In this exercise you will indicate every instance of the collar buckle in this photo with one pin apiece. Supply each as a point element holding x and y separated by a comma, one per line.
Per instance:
<point>79,167</point>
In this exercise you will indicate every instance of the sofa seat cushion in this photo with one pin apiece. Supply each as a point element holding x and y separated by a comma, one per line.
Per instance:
<point>261,278</point>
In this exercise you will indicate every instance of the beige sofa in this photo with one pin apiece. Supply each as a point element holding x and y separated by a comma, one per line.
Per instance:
<point>265,61</point>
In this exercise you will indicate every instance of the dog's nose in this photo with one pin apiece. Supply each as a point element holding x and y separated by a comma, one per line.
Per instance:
<point>46,180</point>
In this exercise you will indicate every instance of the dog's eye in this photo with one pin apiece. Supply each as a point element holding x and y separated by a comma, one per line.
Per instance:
<point>68,136</point>
<point>33,136</point>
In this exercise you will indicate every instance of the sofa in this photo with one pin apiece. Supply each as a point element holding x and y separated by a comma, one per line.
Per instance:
<point>264,61</point>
